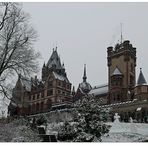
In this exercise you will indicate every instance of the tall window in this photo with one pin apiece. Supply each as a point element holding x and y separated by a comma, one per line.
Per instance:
<point>42,105</point>
<point>59,83</point>
<point>64,85</point>
<point>42,94</point>
<point>37,107</point>
<point>50,84</point>
<point>33,96</point>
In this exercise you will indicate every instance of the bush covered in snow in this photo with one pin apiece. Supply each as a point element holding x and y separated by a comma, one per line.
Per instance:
<point>41,120</point>
<point>88,124</point>
<point>17,130</point>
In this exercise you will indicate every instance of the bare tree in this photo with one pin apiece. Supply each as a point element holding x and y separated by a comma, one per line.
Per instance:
<point>16,44</point>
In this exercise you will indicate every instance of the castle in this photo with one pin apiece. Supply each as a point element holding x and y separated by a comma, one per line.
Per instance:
<point>36,96</point>
<point>122,94</point>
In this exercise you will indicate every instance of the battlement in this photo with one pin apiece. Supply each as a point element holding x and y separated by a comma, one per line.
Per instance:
<point>121,48</point>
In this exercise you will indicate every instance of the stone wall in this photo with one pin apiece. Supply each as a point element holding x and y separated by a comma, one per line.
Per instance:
<point>56,116</point>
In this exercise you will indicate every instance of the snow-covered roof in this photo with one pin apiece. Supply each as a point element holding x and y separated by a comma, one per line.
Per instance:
<point>26,82</point>
<point>85,87</point>
<point>141,79</point>
<point>120,103</point>
<point>138,109</point>
<point>116,72</point>
<point>54,60</point>
<point>60,77</point>
<point>99,90</point>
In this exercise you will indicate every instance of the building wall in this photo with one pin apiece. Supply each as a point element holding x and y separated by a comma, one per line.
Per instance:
<point>124,59</point>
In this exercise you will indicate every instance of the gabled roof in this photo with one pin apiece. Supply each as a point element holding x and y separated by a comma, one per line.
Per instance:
<point>141,79</point>
<point>26,83</point>
<point>116,72</point>
<point>60,77</point>
<point>54,60</point>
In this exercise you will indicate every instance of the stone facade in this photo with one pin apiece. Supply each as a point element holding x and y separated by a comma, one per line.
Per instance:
<point>122,94</point>
<point>125,96</point>
<point>123,58</point>
<point>36,96</point>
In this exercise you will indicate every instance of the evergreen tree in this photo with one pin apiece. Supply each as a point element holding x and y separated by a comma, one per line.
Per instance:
<point>89,122</point>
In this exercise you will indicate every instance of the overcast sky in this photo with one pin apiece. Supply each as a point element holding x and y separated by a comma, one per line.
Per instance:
<point>83,31</point>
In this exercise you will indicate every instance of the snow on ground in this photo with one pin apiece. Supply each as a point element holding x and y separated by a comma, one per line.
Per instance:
<point>127,132</point>
<point>4,107</point>
<point>17,131</point>
<point>119,132</point>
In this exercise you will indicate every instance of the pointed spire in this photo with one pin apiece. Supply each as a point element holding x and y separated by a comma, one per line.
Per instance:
<point>54,60</point>
<point>73,90</point>
<point>84,76</point>
<point>19,76</point>
<point>63,66</point>
<point>56,48</point>
<point>141,79</point>
<point>44,64</point>
<point>121,33</point>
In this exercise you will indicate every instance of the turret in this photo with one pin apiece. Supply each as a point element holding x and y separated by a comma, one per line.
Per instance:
<point>141,89</point>
<point>84,76</point>
<point>121,59</point>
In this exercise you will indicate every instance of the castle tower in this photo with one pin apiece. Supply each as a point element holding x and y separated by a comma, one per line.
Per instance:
<point>121,71</point>
<point>53,64</point>
<point>141,89</point>
<point>85,86</point>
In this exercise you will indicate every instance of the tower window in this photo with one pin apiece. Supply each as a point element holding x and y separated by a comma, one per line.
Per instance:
<point>59,83</point>
<point>64,85</point>
<point>49,84</point>
<point>68,86</point>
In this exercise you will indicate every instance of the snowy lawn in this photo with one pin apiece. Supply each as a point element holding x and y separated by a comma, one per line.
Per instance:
<point>119,132</point>
<point>17,131</point>
<point>127,132</point>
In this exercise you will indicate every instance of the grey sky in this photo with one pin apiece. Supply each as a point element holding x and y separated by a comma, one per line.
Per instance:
<point>83,31</point>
